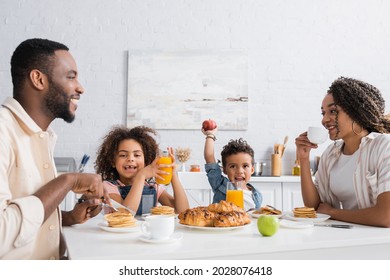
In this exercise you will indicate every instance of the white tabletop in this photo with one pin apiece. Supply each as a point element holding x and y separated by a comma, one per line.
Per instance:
<point>89,241</point>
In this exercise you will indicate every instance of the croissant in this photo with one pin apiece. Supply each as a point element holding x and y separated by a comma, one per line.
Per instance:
<point>231,219</point>
<point>224,206</point>
<point>198,216</point>
<point>199,209</point>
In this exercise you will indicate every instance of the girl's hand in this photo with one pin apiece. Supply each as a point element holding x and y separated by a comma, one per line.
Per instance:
<point>172,155</point>
<point>150,170</point>
<point>153,169</point>
<point>304,146</point>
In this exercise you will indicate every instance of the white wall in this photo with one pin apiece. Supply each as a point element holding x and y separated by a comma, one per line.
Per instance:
<point>295,48</point>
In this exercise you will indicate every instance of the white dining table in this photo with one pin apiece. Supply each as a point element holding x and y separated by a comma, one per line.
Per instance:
<point>88,242</point>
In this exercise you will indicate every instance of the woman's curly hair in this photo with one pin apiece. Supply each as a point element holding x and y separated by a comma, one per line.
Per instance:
<point>105,160</point>
<point>235,147</point>
<point>362,102</point>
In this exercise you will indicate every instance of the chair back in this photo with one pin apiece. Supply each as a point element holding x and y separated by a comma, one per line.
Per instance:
<point>197,188</point>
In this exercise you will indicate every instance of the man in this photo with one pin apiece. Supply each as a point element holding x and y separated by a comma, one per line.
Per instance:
<point>46,87</point>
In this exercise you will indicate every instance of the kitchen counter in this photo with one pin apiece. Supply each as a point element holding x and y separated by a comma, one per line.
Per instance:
<point>282,179</point>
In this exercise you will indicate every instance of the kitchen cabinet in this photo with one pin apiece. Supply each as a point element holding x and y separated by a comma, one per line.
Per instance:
<point>292,196</point>
<point>284,192</point>
<point>272,193</point>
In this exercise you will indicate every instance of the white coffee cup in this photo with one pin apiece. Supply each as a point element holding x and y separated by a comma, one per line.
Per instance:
<point>317,135</point>
<point>158,227</point>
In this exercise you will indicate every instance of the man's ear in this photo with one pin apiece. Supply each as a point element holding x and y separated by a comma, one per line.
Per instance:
<point>38,79</point>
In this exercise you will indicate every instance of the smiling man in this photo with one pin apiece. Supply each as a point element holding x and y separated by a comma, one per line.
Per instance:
<point>46,87</point>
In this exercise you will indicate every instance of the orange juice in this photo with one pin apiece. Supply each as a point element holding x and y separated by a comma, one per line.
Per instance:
<point>236,197</point>
<point>165,159</point>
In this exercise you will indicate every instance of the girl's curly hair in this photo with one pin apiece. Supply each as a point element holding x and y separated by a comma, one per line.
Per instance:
<point>362,102</point>
<point>145,136</point>
<point>235,147</point>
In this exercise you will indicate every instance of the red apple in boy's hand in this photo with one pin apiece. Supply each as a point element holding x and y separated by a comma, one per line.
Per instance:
<point>209,125</point>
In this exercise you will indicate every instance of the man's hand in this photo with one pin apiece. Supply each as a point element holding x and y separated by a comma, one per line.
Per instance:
<point>88,184</point>
<point>82,212</point>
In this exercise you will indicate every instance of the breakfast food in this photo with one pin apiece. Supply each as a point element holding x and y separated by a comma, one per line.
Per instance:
<point>122,218</point>
<point>222,214</point>
<point>231,219</point>
<point>224,206</point>
<point>162,210</point>
<point>199,216</point>
<point>267,210</point>
<point>304,212</point>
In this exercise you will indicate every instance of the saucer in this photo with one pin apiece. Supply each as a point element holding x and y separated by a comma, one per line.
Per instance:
<point>174,237</point>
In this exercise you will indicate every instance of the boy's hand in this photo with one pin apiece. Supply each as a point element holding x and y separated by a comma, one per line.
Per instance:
<point>210,132</point>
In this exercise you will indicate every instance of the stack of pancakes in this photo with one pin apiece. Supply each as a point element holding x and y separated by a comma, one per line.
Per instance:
<point>122,218</point>
<point>304,212</point>
<point>162,210</point>
<point>268,210</point>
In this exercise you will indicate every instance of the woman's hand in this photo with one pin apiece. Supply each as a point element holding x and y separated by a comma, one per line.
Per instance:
<point>304,146</point>
<point>325,208</point>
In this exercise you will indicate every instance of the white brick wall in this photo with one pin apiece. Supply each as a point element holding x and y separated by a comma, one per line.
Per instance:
<point>296,49</point>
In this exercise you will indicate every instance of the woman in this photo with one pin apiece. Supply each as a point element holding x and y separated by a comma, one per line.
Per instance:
<point>352,183</point>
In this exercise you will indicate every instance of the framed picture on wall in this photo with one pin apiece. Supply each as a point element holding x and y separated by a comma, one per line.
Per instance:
<point>180,89</point>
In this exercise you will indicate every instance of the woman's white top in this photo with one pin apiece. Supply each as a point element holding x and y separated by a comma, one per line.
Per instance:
<point>371,176</point>
<point>341,180</point>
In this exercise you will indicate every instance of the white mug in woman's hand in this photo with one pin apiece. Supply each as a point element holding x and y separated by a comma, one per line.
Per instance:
<point>159,227</point>
<point>317,135</point>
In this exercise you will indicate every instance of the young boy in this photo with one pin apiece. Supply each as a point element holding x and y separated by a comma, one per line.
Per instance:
<point>237,163</point>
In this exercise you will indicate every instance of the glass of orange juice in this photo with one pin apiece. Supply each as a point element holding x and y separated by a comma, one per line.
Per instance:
<point>235,194</point>
<point>166,178</point>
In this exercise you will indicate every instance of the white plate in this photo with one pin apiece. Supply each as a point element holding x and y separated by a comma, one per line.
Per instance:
<point>255,215</point>
<point>296,224</point>
<point>217,228</point>
<point>149,214</point>
<point>104,226</point>
<point>174,237</point>
<point>320,218</point>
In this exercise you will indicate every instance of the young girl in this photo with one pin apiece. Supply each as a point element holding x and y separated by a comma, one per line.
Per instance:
<point>127,160</point>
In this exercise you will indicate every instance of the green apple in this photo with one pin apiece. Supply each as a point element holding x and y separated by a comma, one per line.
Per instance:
<point>267,225</point>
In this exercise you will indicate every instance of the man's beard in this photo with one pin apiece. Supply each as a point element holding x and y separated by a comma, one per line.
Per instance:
<point>57,102</point>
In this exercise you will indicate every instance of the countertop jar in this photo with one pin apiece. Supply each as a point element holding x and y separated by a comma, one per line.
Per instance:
<point>195,168</point>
